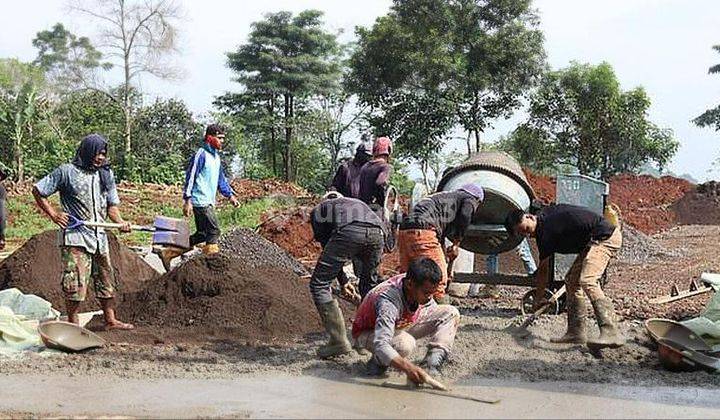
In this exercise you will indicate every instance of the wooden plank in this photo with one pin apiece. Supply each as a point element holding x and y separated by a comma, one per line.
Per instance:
<point>500,279</point>
<point>681,295</point>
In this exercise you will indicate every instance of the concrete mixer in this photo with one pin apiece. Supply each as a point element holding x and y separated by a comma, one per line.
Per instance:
<point>507,188</point>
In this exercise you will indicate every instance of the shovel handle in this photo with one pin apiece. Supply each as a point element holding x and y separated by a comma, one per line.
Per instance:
<point>105,225</point>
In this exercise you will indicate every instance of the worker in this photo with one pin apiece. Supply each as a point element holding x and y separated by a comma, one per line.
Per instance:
<point>436,217</point>
<point>375,176</point>
<point>87,193</point>
<point>346,228</point>
<point>203,178</point>
<point>569,229</point>
<point>347,176</point>
<point>3,209</point>
<point>397,313</point>
<point>491,267</point>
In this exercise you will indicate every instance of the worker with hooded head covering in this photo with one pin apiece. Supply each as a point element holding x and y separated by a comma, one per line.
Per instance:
<point>88,193</point>
<point>440,216</point>
<point>347,176</point>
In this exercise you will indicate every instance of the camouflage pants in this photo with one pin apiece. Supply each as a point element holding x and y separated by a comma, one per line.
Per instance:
<point>79,267</point>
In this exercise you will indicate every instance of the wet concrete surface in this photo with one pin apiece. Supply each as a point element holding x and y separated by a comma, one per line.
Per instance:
<point>313,397</point>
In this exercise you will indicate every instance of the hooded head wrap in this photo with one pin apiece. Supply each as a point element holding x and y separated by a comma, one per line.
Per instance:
<point>91,146</point>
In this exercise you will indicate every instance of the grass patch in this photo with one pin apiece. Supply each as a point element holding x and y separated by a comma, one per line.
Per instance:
<point>26,219</point>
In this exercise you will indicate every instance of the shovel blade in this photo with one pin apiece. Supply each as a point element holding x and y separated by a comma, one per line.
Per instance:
<point>178,239</point>
<point>171,224</point>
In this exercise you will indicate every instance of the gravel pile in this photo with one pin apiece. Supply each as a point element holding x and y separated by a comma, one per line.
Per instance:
<point>640,248</point>
<point>256,251</point>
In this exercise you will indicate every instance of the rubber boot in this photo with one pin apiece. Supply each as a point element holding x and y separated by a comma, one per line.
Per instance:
<point>577,325</point>
<point>332,319</point>
<point>433,361</point>
<point>211,249</point>
<point>167,253</point>
<point>609,334</point>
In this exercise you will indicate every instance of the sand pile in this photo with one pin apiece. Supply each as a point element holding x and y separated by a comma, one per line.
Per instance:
<point>256,251</point>
<point>640,248</point>
<point>250,291</point>
<point>36,268</point>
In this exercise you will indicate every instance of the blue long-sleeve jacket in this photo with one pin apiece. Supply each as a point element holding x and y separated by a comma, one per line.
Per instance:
<point>204,177</point>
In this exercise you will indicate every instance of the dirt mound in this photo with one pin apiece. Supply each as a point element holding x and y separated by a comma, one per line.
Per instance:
<point>256,251</point>
<point>291,230</point>
<point>645,200</point>
<point>224,297</point>
<point>36,268</point>
<point>249,189</point>
<point>700,206</point>
<point>544,186</point>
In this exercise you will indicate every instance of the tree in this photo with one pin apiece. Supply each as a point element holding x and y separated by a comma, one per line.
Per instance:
<point>21,100</point>
<point>166,135</point>
<point>141,36</point>
<point>711,117</point>
<point>432,65</point>
<point>70,62</point>
<point>286,60</point>
<point>579,116</point>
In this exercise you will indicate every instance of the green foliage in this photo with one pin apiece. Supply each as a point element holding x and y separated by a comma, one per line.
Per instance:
<point>22,104</point>
<point>400,179</point>
<point>164,136</point>
<point>68,60</point>
<point>711,117</point>
<point>579,116</point>
<point>286,61</point>
<point>430,65</point>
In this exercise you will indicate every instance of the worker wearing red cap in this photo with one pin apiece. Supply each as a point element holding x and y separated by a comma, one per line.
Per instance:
<point>375,175</point>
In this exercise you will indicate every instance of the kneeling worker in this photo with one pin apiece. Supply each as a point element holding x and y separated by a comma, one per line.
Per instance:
<point>397,313</point>
<point>347,229</point>
<point>568,229</point>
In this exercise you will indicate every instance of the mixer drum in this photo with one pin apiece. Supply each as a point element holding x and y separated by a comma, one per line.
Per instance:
<point>506,188</point>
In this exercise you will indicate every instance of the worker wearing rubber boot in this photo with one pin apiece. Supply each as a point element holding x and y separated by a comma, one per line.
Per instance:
<point>398,312</point>
<point>3,208</point>
<point>568,229</point>
<point>87,192</point>
<point>346,228</point>
<point>375,175</point>
<point>347,176</point>
<point>203,178</point>
<point>440,216</point>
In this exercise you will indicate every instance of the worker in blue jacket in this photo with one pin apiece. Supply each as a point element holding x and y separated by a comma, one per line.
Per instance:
<point>203,178</point>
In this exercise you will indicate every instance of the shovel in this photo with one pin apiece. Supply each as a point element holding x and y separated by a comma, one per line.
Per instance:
<point>521,330</point>
<point>165,230</point>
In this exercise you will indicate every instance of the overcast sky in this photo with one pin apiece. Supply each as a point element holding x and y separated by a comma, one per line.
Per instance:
<point>662,45</point>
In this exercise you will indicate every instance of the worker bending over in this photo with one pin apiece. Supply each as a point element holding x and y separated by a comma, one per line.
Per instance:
<point>347,176</point>
<point>88,193</point>
<point>397,313</point>
<point>203,178</point>
<point>433,219</point>
<point>568,229</point>
<point>375,176</point>
<point>347,229</point>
